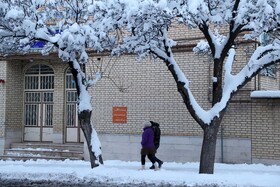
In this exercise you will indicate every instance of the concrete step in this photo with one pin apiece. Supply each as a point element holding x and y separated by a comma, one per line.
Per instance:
<point>24,158</point>
<point>36,145</point>
<point>43,150</point>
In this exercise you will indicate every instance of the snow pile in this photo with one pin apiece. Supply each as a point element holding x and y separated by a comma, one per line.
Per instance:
<point>120,172</point>
<point>266,94</point>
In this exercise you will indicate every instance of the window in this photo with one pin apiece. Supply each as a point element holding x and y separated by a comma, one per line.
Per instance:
<point>269,71</point>
<point>71,101</point>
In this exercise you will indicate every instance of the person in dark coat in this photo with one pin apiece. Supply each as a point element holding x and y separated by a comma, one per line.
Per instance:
<point>157,133</point>
<point>148,147</point>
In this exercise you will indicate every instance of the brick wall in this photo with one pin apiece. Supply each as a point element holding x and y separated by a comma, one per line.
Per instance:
<point>14,102</point>
<point>266,129</point>
<point>178,32</point>
<point>237,122</point>
<point>151,94</point>
<point>14,98</point>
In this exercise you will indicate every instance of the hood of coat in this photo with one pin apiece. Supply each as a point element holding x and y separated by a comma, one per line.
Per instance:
<point>146,124</point>
<point>154,124</point>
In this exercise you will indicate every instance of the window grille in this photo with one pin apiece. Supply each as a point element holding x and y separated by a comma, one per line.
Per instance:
<point>31,82</point>
<point>48,96</point>
<point>48,115</point>
<point>70,83</point>
<point>32,97</point>
<point>47,82</point>
<point>72,96</point>
<point>31,114</point>
<point>71,115</point>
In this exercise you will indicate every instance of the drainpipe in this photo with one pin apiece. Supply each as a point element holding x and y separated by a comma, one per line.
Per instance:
<point>251,131</point>
<point>209,83</point>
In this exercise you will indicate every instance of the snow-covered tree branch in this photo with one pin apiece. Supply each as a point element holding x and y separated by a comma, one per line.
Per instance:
<point>142,27</point>
<point>146,25</point>
<point>66,27</point>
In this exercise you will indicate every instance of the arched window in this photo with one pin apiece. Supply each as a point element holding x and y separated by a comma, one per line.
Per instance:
<point>38,96</point>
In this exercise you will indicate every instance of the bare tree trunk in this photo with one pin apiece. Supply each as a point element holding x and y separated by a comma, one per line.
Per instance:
<point>85,123</point>
<point>208,149</point>
<point>84,118</point>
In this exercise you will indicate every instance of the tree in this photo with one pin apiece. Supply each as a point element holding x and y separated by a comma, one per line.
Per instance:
<point>144,25</point>
<point>67,27</point>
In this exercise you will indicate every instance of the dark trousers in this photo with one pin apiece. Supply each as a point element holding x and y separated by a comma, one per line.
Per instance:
<point>151,157</point>
<point>156,159</point>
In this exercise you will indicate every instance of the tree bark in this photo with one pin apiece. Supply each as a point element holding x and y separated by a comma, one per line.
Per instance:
<point>84,118</point>
<point>85,123</point>
<point>208,149</point>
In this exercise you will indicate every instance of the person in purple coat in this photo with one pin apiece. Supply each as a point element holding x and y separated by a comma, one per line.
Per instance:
<point>148,147</point>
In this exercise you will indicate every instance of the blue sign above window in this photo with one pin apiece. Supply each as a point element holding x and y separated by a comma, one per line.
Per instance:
<point>40,44</point>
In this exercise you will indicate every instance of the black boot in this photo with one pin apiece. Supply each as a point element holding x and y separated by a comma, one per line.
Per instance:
<point>160,164</point>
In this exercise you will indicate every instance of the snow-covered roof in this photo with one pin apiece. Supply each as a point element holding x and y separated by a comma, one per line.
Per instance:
<point>265,94</point>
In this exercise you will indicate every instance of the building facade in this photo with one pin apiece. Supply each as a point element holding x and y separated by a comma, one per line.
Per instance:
<point>38,104</point>
<point>34,95</point>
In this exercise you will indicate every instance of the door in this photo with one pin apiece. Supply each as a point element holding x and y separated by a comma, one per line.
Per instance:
<point>38,103</point>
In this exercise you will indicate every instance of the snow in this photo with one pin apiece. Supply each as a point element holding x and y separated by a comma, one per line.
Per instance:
<point>194,6</point>
<point>95,143</point>
<point>201,47</point>
<point>121,172</point>
<point>38,149</point>
<point>85,99</point>
<point>266,94</point>
<point>14,14</point>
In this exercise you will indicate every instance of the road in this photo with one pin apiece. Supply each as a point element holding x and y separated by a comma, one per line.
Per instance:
<point>47,183</point>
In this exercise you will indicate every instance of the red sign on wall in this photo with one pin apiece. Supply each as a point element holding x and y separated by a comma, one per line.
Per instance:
<point>119,114</point>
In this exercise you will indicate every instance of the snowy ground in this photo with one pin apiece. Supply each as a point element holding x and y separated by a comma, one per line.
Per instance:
<point>120,173</point>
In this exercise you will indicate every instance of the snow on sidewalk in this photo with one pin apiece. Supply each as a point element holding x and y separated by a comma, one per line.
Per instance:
<point>121,172</point>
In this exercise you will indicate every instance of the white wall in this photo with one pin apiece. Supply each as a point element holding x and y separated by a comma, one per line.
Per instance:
<point>173,148</point>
